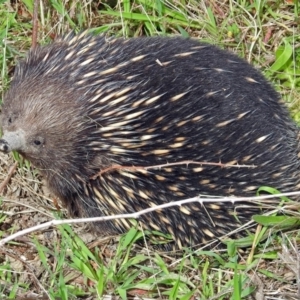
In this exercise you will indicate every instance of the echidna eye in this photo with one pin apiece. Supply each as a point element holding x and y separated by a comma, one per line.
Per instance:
<point>37,142</point>
<point>10,120</point>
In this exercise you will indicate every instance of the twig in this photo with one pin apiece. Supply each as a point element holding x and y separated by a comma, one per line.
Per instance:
<point>9,175</point>
<point>136,215</point>
<point>184,162</point>
<point>35,24</point>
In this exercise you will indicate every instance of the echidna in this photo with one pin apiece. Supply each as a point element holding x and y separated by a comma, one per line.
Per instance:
<point>83,105</point>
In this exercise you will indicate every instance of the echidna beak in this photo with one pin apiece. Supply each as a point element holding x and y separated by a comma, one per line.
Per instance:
<point>12,140</point>
<point>4,147</point>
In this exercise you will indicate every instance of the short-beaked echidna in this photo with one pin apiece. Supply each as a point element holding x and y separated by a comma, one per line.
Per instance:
<point>84,104</point>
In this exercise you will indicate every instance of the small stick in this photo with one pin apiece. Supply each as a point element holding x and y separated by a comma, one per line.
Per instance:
<point>184,162</point>
<point>9,175</point>
<point>35,24</point>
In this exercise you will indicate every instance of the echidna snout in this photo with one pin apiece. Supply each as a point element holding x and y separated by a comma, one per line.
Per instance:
<point>12,141</point>
<point>98,115</point>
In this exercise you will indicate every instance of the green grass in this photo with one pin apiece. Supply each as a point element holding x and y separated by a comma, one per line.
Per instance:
<point>265,33</point>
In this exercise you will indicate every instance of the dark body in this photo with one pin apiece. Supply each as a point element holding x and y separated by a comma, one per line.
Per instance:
<point>85,104</point>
